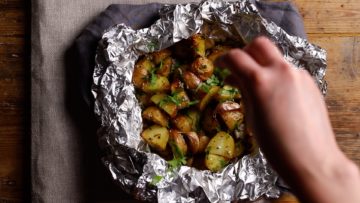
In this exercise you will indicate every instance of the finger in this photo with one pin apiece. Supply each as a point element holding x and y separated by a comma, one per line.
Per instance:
<point>264,52</point>
<point>241,63</point>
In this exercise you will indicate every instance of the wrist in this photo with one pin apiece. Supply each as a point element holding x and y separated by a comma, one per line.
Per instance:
<point>333,181</point>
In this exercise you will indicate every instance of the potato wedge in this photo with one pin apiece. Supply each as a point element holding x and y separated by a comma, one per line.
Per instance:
<point>142,71</point>
<point>183,123</point>
<point>156,136</point>
<point>227,93</point>
<point>159,56</point>
<point>203,68</point>
<point>176,86</point>
<point>208,97</point>
<point>182,99</point>
<point>162,101</point>
<point>230,113</point>
<point>203,142</point>
<point>198,45</point>
<point>193,142</point>
<point>221,144</point>
<point>165,67</point>
<point>156,84</point>
<point>155,115</point>
<point>191,80</point>
<point>215,162</point>
<point>177,143</point>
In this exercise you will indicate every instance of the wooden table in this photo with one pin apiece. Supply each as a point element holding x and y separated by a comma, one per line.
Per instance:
<point>332,24</point>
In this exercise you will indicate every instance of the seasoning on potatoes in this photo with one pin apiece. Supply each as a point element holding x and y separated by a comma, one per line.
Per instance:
<point>203,68</point>
<point>156,136</point>
<point>197,45</point>
<point>155,115</point>
<point>190,116</point>
<point>222,144</point>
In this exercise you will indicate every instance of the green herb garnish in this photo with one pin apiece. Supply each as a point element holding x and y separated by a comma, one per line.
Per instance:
<point>156,179</point>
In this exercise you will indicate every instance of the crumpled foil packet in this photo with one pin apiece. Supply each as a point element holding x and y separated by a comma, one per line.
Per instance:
<point>128,157</point>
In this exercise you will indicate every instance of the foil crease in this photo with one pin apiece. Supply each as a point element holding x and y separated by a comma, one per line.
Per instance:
<point>128,158</point>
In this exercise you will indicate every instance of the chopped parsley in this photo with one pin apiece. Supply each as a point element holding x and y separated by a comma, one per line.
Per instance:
<point>156,179</point>
<point>179,158</point>
<point>206,86</point>
<point>222,73</point>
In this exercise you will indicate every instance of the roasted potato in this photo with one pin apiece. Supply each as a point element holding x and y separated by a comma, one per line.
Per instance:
<point>215,162</point>
<point>155,115</point>
<point>162,101</point>
<point>198,45</point>
<point>183,123</point>
<point>230,113</point>
<point>177,143</point>
<point>203,68</point>
<point>203,142</point>
<point>191,80</point>
<point>208,97</point>
<point>141,72</point>
<point>156,136</point>
<point>221,144</point>
<point>218,51</point>
<point>227,93</point>
<point>160,56</point>
<point>193,142</point>
<point>190,116</point>
<point>165,67</point>
<point>156,84</point>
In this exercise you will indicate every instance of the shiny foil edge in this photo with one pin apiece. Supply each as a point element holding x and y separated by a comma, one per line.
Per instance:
<point>128,158</point>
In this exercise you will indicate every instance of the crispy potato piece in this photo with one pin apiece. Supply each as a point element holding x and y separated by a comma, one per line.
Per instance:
<point>239,149</point>
<point>156,136</point>
<point>158,84</point>
<point>141,71</point>
<point>155,115</point>
<point>218,51</point>
<point>191,80</point>
<point>177,143</point>
<point>165,67</point>
<point>221,144</point>
<point>165,104</point>
<point>231,114</point>
<point>227,93</point>
<point>203,142</point>
<point>182,98</point>
<point>208,97</point>
<point>198,45</point>
<point>159,56</point>
<point>192,141</point>
<point>203,68</point>
<point>183,123</point>
<point>209,121</point>
<point>176,85</point>
<point>215,162</point>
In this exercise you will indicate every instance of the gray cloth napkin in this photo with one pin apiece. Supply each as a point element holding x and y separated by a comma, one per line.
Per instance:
<point>65,157</point>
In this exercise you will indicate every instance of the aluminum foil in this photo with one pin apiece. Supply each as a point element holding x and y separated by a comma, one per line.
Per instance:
<point>128,157</point>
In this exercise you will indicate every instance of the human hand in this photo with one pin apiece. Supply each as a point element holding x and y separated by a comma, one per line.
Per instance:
<point>288,115</point>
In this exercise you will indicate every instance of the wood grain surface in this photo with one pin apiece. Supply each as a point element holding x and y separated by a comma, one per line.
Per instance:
<point>332,24</point>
